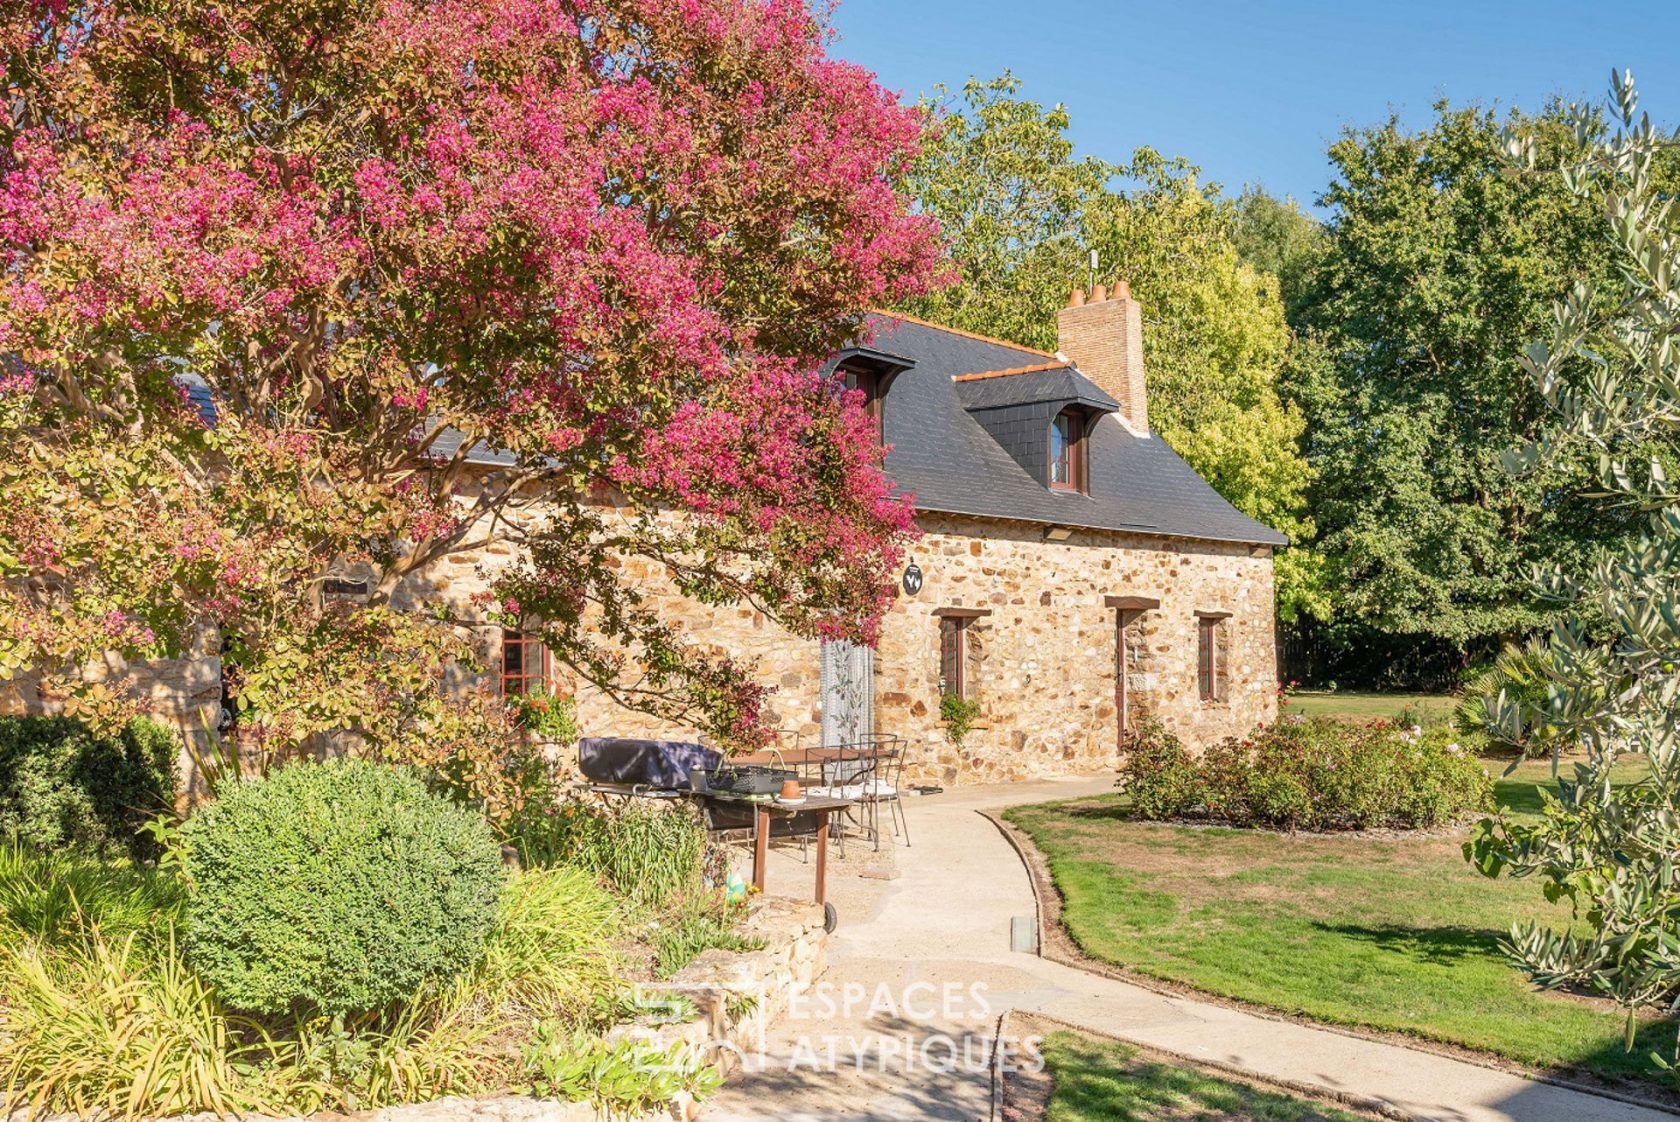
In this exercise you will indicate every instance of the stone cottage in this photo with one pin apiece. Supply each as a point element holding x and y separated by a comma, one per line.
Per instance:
<point>1074,573</point>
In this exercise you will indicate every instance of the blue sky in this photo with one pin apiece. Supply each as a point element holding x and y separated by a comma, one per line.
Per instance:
<point>1256,92</point>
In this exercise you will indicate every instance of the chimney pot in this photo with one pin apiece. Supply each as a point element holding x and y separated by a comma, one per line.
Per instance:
<point>1077,300</point>
<point>1099,294</point>
<point>1122,290</point>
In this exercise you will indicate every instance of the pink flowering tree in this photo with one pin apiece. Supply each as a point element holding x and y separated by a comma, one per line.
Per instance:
<point>611,238</point>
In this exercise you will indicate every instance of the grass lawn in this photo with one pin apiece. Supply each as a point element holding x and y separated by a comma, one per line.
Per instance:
<point>1353,706</point>
<point>1397,934</point>
<point>1102,1081</point>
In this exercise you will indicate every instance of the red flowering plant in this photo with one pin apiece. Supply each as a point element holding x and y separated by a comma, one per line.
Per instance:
<point>545,716</point>
<point>274,272</point>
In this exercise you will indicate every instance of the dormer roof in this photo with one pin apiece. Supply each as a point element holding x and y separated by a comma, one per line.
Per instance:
<point>942,454</point>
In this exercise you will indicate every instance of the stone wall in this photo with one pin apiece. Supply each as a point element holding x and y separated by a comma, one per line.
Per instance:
<point>1043,660</point>
<point>1045,675</point>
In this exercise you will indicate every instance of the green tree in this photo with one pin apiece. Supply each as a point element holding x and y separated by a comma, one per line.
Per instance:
<point>1276,236</point>
<point>1000,175</point>
<point>1021,211</point>
<point>1608,371</point>
<point>1438,265</point>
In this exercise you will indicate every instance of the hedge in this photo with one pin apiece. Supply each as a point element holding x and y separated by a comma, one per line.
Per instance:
<point>62,788</point>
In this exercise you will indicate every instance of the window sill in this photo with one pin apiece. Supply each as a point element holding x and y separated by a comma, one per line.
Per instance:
<point>972,725</point>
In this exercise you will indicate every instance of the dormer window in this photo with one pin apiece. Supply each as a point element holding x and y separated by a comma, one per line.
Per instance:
<point>1067,452</point>
<point>868,383</point>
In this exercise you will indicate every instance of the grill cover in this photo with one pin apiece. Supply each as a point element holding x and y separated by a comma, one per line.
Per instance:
<point>645,763</point>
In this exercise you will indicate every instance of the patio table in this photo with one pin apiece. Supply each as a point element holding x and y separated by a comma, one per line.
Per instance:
<point>765,809</point>
<point>813,767</point>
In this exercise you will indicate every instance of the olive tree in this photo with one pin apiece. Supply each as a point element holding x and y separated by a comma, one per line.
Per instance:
<point>1610,374</point>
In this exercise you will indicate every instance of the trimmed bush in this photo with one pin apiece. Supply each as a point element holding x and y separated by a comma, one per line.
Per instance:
<point>63,788</point>
<point>1310,774</point>
<point>1158,773</point>
<point>337,888</point>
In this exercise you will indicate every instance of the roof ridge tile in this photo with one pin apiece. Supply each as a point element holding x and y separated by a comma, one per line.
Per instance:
<point>1035,368</point>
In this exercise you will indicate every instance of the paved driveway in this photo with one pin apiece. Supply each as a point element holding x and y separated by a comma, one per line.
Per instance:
<point>920,972</point>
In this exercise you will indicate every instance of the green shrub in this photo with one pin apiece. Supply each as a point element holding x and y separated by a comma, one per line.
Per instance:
<point>1158,773</point>
<point>652,852</point>
<point>626,1077</point>
<point>338,887</point>
<point>564,833</point>
<point>1515,678</point>
<point>1311,774</point>
<point>1444,780</point>
<point>62,787</point>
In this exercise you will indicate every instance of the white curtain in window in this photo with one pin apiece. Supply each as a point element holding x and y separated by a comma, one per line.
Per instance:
<point>848,692</point>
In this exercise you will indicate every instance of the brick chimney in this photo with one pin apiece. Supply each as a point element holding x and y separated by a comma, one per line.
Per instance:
<point>1103,335</point>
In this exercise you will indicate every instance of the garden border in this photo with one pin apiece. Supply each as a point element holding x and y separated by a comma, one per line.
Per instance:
<point>795,954</point>
<point>1057,944</point>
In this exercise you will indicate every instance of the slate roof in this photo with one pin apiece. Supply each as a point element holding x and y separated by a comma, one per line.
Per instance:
<point>944,457</point>
<point>1031,385</point>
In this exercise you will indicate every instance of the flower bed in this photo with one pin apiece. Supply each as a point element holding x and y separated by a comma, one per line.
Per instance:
<point>1308,774</point>
<point>250,972</point>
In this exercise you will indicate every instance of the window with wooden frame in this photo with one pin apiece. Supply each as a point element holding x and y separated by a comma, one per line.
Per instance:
<point>1067,451</point>
<point>956,674</point>
<point>526,666</point>
<point>953,656</point>
<point>1212,659</point>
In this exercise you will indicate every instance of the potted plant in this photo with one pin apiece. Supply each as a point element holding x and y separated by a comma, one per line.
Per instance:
<point>546,717</point>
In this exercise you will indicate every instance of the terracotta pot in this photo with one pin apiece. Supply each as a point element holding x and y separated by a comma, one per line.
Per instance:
<point>790,789</point>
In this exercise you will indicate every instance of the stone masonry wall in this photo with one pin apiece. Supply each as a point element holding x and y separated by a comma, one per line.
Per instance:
<point>1045,675</point>
<point>1042,662</point>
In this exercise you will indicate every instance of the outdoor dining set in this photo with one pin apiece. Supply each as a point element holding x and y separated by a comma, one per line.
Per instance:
<point>817,793</point>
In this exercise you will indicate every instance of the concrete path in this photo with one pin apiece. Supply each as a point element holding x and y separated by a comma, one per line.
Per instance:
<point>924,964</point>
